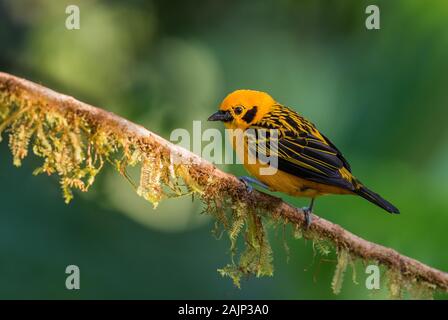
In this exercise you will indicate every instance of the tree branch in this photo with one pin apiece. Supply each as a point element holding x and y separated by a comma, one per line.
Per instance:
<point>18,96</point>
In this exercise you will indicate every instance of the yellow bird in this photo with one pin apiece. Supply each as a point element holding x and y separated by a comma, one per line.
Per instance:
<point>308,163</point>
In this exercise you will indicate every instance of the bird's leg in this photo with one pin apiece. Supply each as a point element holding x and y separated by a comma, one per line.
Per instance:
<point>308,211</point>
<point>248,180</point>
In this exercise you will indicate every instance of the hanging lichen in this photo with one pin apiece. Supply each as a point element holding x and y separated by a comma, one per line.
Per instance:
<point>150,186</point>
<point>422,290</point>
<point>395,284</point>
<point>322,246</point>
<point>338,277</point>
<point>75,147</point>
<point>257,256</point>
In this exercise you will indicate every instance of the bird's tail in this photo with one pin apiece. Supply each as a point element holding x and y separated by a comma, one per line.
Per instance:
<point>375,199</point>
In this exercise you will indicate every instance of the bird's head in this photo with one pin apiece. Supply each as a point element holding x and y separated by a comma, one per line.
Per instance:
<point>242,108</point>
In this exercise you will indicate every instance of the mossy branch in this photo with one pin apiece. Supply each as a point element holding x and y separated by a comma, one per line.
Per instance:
<point>76,140</point>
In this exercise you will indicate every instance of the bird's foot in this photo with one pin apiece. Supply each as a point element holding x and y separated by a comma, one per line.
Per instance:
<point>308,216</point>
<point>248,180</point>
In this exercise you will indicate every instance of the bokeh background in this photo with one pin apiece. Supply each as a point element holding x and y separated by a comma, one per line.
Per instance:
<point>380,95</point>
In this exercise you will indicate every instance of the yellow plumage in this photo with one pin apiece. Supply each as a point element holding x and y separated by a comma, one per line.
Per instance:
<point>309,164</point>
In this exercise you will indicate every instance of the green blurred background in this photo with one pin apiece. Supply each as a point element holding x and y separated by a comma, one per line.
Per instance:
<point>380,95</point>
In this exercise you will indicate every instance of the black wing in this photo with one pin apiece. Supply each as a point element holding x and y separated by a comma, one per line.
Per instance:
<point>303,152</point>
<point>311,159</point>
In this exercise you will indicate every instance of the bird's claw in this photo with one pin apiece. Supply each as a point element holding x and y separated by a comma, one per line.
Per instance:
<point>248,180</point>
<point>308,216</point>
<point>249,188</point>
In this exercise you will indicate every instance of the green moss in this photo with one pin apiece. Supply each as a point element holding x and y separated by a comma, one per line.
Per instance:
<point>76,147</point>
<point>338,277</point>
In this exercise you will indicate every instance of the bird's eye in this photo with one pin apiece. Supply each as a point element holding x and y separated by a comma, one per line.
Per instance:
<point>238,110</point>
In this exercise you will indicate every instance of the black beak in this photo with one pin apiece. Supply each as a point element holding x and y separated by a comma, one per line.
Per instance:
<point>220,115</point>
